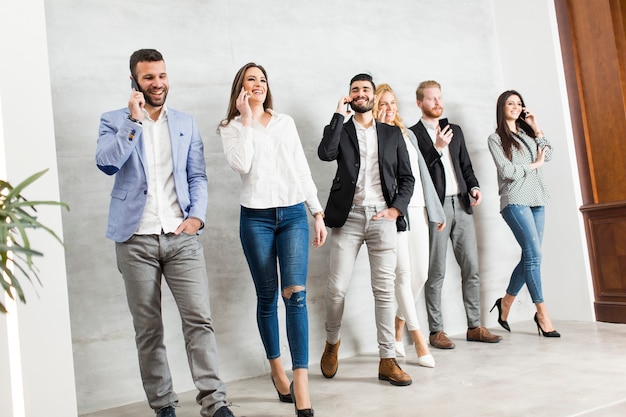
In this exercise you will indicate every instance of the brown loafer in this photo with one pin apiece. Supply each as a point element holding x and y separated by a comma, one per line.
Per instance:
<point>330,362</point>
<point>389,370</point>
<point>440,341</point>
<point>481,334</point>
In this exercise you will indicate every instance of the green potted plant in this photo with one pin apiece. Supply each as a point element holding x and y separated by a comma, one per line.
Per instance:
<point>17,216</point>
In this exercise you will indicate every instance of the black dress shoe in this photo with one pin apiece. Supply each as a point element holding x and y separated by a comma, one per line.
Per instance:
<point>503,323</point>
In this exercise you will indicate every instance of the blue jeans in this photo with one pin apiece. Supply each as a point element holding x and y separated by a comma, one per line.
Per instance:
<point>526,223</point>
<point>271,239</point>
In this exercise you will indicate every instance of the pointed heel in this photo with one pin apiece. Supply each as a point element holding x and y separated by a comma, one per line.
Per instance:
<point>502,323</point>
<point>284,398</point>
<point>307,412</point>
<point>540,330</point>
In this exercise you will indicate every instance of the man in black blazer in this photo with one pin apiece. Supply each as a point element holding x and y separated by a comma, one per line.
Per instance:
<point>451,169</point>
<point>368,198</point>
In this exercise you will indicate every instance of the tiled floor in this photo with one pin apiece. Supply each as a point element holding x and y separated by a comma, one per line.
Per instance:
<point>581,374</point>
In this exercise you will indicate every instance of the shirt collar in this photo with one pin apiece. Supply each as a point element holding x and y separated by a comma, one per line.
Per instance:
<point>428,125</point>
<point>359,126</point>
<point>162,115</point>
<point>270,111</point>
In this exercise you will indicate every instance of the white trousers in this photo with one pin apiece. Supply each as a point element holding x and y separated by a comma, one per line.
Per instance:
<point>412,267</point>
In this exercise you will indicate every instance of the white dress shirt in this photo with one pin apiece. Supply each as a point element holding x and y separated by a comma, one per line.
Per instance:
<point>270,159</point>
<point>162,212</point>
<point>369,190</point>
<point>452,186</point>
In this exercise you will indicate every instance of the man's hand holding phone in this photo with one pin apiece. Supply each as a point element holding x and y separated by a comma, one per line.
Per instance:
<point>343,108</point>
<point>444,135</point>
<point>136,101</point>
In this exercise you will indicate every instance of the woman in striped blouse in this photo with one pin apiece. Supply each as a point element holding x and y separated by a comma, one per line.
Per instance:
<point>519,150</point>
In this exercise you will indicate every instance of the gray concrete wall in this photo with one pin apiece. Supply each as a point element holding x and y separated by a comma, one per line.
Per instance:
<point>311,50</point>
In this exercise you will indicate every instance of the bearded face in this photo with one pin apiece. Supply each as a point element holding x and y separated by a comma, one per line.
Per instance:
<point>434,112</point>
<point>152,81</point>
<point>362,105</point>
<point>362,96</point>
<point>432,103</point>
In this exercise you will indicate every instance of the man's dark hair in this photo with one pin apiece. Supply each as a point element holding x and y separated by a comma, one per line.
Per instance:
<point>363,77</point>
<point>143,55</point>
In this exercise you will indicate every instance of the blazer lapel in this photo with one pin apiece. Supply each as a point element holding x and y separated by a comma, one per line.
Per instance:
<point>351,130</point>
<point>413,140</point>
<point>176,135</point>
<point>381,143</point>
<point>422,134</point>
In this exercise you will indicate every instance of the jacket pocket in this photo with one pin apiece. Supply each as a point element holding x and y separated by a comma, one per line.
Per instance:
<point>119,194</point>
<point>336,184</point>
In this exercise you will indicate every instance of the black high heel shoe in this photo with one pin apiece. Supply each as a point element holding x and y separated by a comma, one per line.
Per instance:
<point>307,412</point>
<point>553,333</point>
<point>285,398</point>
<point>503,323</point>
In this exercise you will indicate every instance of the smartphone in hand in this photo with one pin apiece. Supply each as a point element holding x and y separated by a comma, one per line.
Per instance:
<point>133,84</point>
<point>443,123</point>
<point>522,115</point>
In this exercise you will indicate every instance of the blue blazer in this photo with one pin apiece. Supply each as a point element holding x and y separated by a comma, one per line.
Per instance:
<point>120,152</point>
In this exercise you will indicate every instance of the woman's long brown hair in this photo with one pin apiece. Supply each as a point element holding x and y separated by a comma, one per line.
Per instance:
<point>506,136</point>
<point>236,90</point>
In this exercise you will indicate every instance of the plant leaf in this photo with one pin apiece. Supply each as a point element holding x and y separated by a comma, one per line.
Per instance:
<point>15,245</point>
<point>15,191</point>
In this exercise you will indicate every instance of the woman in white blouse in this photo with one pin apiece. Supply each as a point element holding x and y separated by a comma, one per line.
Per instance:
<point>519,150</point>
<point>264,148</point>
<point>412,245</point>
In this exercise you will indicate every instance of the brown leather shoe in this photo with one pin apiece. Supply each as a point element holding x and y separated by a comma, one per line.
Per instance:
<point>329,362</point>
<point>389,370</point>
<point>440,341</point>
<point>481,334</point>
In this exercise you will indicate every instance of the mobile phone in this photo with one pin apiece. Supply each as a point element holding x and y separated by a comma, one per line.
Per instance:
<point>522,115</point>
<point>347,107</point>
<point>443,123</point>
<point>133,84</point>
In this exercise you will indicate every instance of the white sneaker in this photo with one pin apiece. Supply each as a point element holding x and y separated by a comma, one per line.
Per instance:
<point>400,349</point>
<point>426,360</point>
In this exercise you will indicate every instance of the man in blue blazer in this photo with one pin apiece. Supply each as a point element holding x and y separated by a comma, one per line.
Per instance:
<point>369,196</point>
<point>451,170</point>
<point>158,207</point>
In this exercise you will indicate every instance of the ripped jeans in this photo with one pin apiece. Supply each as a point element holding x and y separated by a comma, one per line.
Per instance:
<point>271,239</point>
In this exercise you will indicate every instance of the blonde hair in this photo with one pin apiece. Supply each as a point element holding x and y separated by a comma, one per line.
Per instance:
<point>419,93</point>
<point>380,90</point>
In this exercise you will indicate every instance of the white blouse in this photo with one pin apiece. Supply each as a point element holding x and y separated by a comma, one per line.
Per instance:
<point>273,168</point>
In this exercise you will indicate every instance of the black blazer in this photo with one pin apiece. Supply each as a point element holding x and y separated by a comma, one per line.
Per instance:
<point>340,143</point>
<point>460,159</point>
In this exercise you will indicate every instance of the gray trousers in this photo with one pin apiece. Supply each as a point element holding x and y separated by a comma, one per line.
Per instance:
<point>460,229</point>
<point>142,260</point>
<point>380,237</point>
